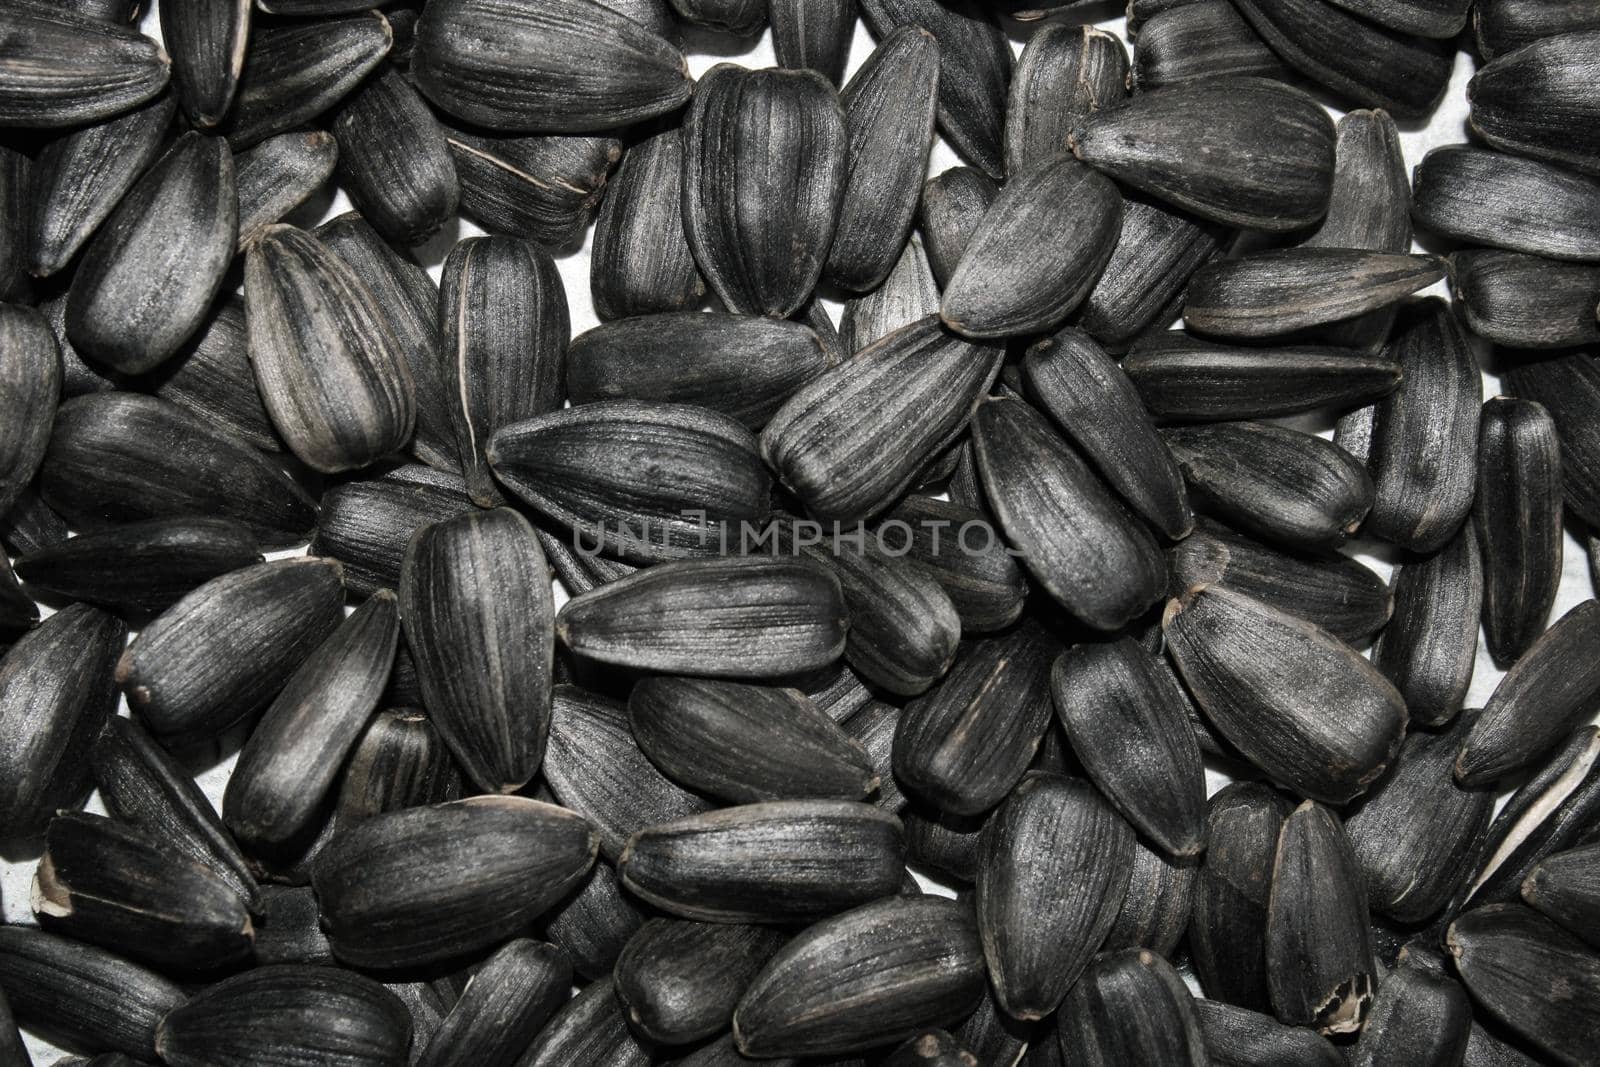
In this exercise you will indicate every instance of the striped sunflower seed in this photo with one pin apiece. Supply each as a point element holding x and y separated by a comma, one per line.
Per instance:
<point>30,525</point>
<point>988,1036</point>
<point>399,762</point>
<point>208,45</point>
<point>1143,281</point>
<point>1564,886</point>
<point>952,205</point>
<point>1417,1016</point>
<point>1195,41</point>
<point>1525,301</point>
<point>680,981</point>
<point>500,1011</point>
<point>1131,1006</point>
<point>367,524</point>
<point>542,188</point>
<point>594,924</point>
<point>58,70</point>
<point>18,612</point>
<point>294,72</point>
<point>211,379</point>
<point>30,377</point>
<point>1425,18</point>
<point>984,583</point>
<point>1430,647</point>
<point>741,18</point>
<point>1239,1037</point>
<point>907,295</point>
<point>813,34</point>
<point>874,726</point>
<point>278,175</point>
<point>591,1030</point>
<point>1568,385</point>
<point>1479,196</point>
<point>1155,910</point>
<point>1064,73</point>
<point>1501,26</point>
<point>639,261</point>
<point>944,842</point>
<point>1541,99</point>
<point>393,159</point>
<point>1517,512</point>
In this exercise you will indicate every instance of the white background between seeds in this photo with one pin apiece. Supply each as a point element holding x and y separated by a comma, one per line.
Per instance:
<point>705,50</point>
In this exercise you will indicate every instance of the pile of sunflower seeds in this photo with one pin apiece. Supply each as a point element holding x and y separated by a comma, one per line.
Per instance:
<point>977,582</point>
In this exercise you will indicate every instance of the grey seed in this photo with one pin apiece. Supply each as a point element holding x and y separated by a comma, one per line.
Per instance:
<point>366,525</point>
<point>744,366</point>
<point>80,175</point>
<point>1096,405</point>
<point>288,928</point>
<point>30,381</point>
<point>329,367</point>
<point>55,696</point>
<point>1429,648</point>
<point>1361,61</point>
<point>1501,26</point>
<point>409,300</point>
<point>147,279</point>
<point>424,885</point>
<point>680,981</point>
<point>1300,704</point>
<point>1417,1017</point>
<point>889,106</point>
<point>761,245</point>
<point>1155,910</point>
<point>82,995</point>
<point>1143,281</point>
<point>1564,886</point>
<point>591,1030</point>
<point>1517,512</point>
<point>290,765</point>
<point>596,768</point>
<point>208,44</point>
<point>874,726</point>
<point>1240,151</point>
<point>399,762</point>
<point>640,260</point>
<point>1525,301</point>
<point>1065,72</point>
<point>476,600</point>
<point>777,862</point>
<point>1414,836</point>
<point>211,379</point>
<point>1531,975</point>
<point>815,997</point>
<point>742,18</point>
<point>934,1048</point>
<point>503,340</point>
<point>1552,688</point>
<point>1127,725</point>
<point>1078,542</point>
<point>1181,377</point>
<point>1425,18</point>
<point>280,174</point>
<point>112,885</point>
<point>908,294</point>
<point>975,70</point>
<point>57,69</point>
<point>293,73</point>
<point>593,924</point>
<point>1199,40</point>
<point>1131,1007</point>
<point>1319,945</point>
<point>542,188</point>
<point>852,441</point>
<point>1567,385</point>
<point>505,1003</point>
<point>814,34</point>
<point>964,745</point>
<point>220,654</point>
<point>146,789</point>
<point>1481,197</point>
<point>952,205</point>
<point>140,569</point>
<point>1239,1037</point>
<point>955,545</point>
<point>1423,439</point>
<point>943,842</point>
<point>1541,100</point>
<point>838,691</point>
<point>393,159</point>
<point>1284,485</point>
<point>1054,867</point>
<point>1036,253</point>
<point>288,1014</point>
<point>746,743</point>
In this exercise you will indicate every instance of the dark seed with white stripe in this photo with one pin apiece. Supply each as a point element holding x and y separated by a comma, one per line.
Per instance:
<point>1517,512</point>
<point>1199,40</point>
<point>541,188</point>
<point>952,205</point>
<point>1159,249</point>
<point>60,70</point>
<point>1480,197</point>
<point>1239,1037</point>
<point>295,72</point>
<point>1542,100</point>
<point>1269,294</point>
<point>1429,648</point>
<point>1525,301</point>
<point>1065,72</point>
<point>640,260</point>
<point>208,46</point>
<point>680,981</point>
<point>1566,887</point>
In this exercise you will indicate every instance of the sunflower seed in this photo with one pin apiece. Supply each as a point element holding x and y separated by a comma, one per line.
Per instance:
<point>952,206</point>
<point>116,12</point>
<point>1228,926</point>
<point>208,46</point>
<point>295,72</point>
<point>30,376</point>
<point>211,379</point>
<point>79,177</point>
<point>1425,18</point>
<point>1269,294</point>
<point>591,1030</point>
<point>1486,1049</point>
<point>1501,26</point>
<point>16,239</point>
<point>1417,1017</point>
<point>1238,1037</point>
<point>1053,871</point>
<point>77,377</point>
<point>742,18</point>
<point>640,260</point>
<point>778,862</point>
<point>509,997</point>
<point>1199,40</point>
<point>888,117</point>
<point>594,923</point>
<point>989,1036</point>
<point>60,70</point>
<point>1240,151</point>
<point>814,34</point>
<point>278,175</point>
<point>427,1003</point>
<point>1568,385</point>
<point>288,1013</point>
<point>1541,100</point>
<point>1155,910</point>
<point>984,583</point>
<point>1564,887</point>
<point>680,981</point>
<point>907,295</point>
<point>399,762</point>
<point>1429,648</point>
<point>1526,301</point>
<point>541,188</point>
<point>1143,281</point>
<point>743,128</point>
<point>1131,1006</point>
<point>1532,975</point>
<point>874,726</point>
<point>1286,486</point>
<point>1361,61</point>
<point>82,995</point>
<point>147,279</point>
<point>815,997</point>
<point>393,159</point>
<point>1552,688</point>
<point>944,842</point>
<point>312,8</point>
<point>1127,725</point>
<point>288,927</point>
<point>934,1048</point>
<point>974,76</point>
<point>18,612</point>
<point>1478,196</point>
<point>1078,542</point>
<point>13,1051</point>
<point>366,525</point>
<point>1064,73</point>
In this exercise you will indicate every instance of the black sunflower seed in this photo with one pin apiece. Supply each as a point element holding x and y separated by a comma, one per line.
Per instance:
<point>991,1035</point>
<point>1064,73</point>
<point>1155,910</point>
<point>500,1011</point>
<point>761,247</point>
<point>211,379</point>
<point>220,654</point>
<point>1568,385</point>
<point>640,260</point>
<point>1143,281</point>
<point>393,160</point>
<point>953,543</point>
<point>542,188</point>
<point>1501,26</point>
<point>77,377</point>
<point>813,34</point>
<point>944,842</point>
<point>401,761</point>
<point>680,981</point>
<point>1541,100</point>
<point>30,376</point>
<point>1429,648</point>
<point>296,71</point>
<point>874,725</point>
<point>1526,301</point>
<point>208,46</point>
<point>1199,40</point>
<point>594,923</point>
<point>61,70</point>
<point>1131,1006</point>
<point>1565,887</point>
<point>739,17</point>
<point>815,998</point>
<point>1239,151</point>
<point>1425,18</point>
<point>907,295</point>
<point>1239,1037</point>
<point>933,1048</point>
<point>952,205</point>
<point>591,1030</point>
<point>1054,867</point>
<point>367,524</point>
<point>278,175</point>
<point>1479,196</point>
<point>1417,1016</point>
